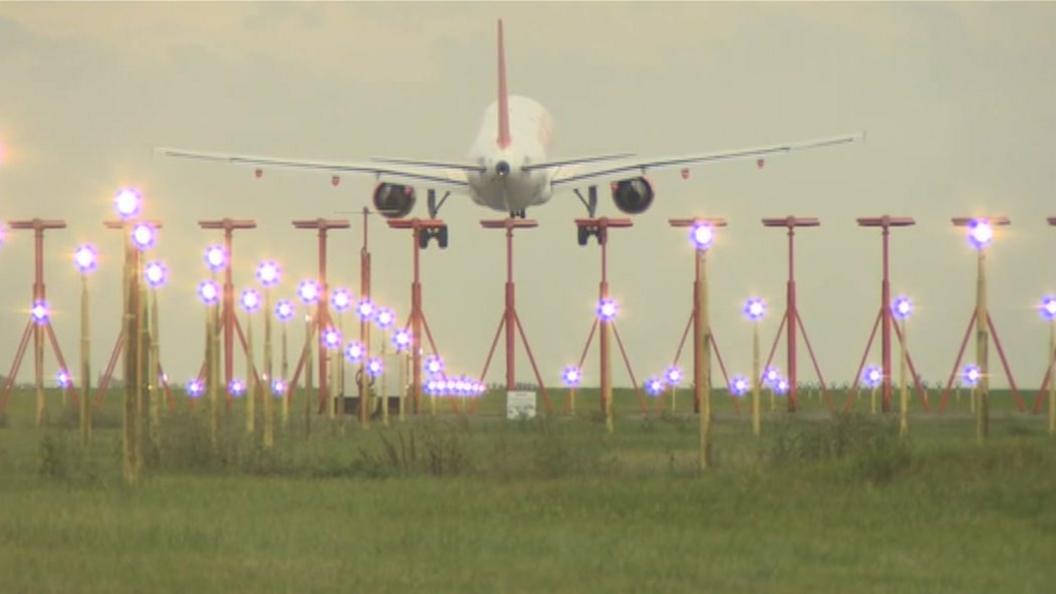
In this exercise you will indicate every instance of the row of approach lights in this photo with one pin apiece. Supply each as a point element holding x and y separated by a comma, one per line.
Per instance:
<point>128,204</point>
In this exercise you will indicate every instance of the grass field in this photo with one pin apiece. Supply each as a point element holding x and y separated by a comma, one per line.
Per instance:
<point>482,505</point>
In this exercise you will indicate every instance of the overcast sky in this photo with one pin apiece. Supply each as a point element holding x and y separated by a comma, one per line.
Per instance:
<point>957,99</point>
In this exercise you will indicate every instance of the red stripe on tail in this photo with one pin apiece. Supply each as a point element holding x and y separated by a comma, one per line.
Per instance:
<point>504,108</point>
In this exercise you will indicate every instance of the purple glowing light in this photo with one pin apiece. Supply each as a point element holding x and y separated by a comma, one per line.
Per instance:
<point>781,387</point>
<point>354,352</point>
<point>332,339</point>
<point>739,385</point>
<point>902,307</point>
<point>673,376</point>
<point>216,257</point>
<point>771,376</point>
<point>308,291</point>
<point>755,309</point>
<point>1048,307</point>
<point>86,259</point>
<point>375,366</point>
<point>384,318</point>
<point>156,274</point>
<point>144,236</point>
<point>341,299</point>
<point>236,388</point>
<point>209,292</point>
<point>434,365</point>
<point>872,376</point>
<point>655,386</point>
<point>365,308</point>
<point>128,202</point>
<point>571,376</point>
<point>607,309</point>
<point>401,340</point>
<point>284,310</point>
<point>702,235</point>
<point>278,387</point>
<point>980,233</point>
<point>268,273</point>
<point>249,300</point>
<point>971,375</point>
<point>63,379</point>
<point>40,312</point>
<point>195,388</point>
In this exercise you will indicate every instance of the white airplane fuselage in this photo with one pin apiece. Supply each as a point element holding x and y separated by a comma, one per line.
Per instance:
<point>504,185</point>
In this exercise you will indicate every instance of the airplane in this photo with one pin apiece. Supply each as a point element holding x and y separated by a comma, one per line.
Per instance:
<point>508,168</point>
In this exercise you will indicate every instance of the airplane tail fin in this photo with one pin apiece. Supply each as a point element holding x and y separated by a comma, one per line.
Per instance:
<point>504,108</point>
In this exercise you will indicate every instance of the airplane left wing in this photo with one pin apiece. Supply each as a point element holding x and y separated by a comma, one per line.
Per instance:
<point>570,175</point>
<point>450,177</point>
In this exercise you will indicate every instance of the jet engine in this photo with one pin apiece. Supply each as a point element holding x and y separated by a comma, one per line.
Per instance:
<point>632,196</point>
<point>394,201</point>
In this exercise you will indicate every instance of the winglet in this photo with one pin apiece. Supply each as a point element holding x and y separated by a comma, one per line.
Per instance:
<point>504,108</point>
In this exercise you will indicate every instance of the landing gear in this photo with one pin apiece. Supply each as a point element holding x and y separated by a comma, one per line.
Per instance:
<point>583,232</point>
<point>429,233</point>
<point>519,214</point>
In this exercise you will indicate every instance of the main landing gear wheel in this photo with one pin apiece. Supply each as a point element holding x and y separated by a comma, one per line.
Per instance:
<point>438,233</point>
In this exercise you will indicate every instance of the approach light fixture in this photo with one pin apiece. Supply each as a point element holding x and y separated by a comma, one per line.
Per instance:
<point>156,274</point>
<point>654,386</point>
<point>980,233</point>
<point>872,376</point>
<point>216,257</point>
<point>195,388</point>
<point>249,299</point>
<point>607,309</point>
<point>739,385</point>
<point>236,387</point>
<point>384,318</point>
<point>85,258</point>
<point>40,312</point>
<point>401,339</point>
<point>144,236</point>
<point>702,235</point>
<point>209,292</point>
<point>1047,309</point>
<point>755,309</point>
<point>341,299</point>
<point>308,291</point>
<point>284,310</point>
<point>971,375</point>
<point>354,352</point>
<point>332,339</point>
<point>571,376</point>
<point>375,367</point>
<point>127,203</point>
<point>268,273</point>
<point>902,307</point>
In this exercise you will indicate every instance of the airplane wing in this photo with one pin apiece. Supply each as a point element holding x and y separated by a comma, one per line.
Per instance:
<point>451,176</point>
<point>570,175</point>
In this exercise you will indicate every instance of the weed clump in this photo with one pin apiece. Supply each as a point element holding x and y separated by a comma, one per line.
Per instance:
<point>871,448</point>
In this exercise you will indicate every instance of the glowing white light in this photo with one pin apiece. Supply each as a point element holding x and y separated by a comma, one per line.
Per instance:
<point>702,236</point>
<point>40,312</point>
<point>128,202</point>
<point>85,258</point>
<point>375,367</point>
<point>209,292</point>
<point>571,376</point>
<point>332,338</point>
<point>341,299</point>
<point>284,310</point>
<point>401,339</point>
<point>268,273</point>
<point>754,309</point>
<point>236,388</point>
<point>62,379</point>
<point>365,309</point>
<point>384,318</point>
<point>215,257</point>
<point>308,291</point>
<point>250,300</point>
<point>354,352</point>
<point>156,274</point>
<point>278,387</point>
<point>143,236</point>
<point>673,376</point>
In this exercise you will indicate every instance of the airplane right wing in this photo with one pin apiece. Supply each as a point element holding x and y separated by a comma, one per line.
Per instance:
<point>576,173</point>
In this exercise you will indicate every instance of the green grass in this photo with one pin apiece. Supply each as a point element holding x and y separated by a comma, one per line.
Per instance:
<point>815,505</point>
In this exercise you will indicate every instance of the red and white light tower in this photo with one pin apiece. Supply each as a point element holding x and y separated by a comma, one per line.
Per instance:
<point>38,327</point>
<point>702,237</point>
<point>322,318</point>
<point>884,321</point>
<point>980,231</point>
<point>510,320</point>
<point>791,322</point>
<point>605,319</point>
<point>422,230</point>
